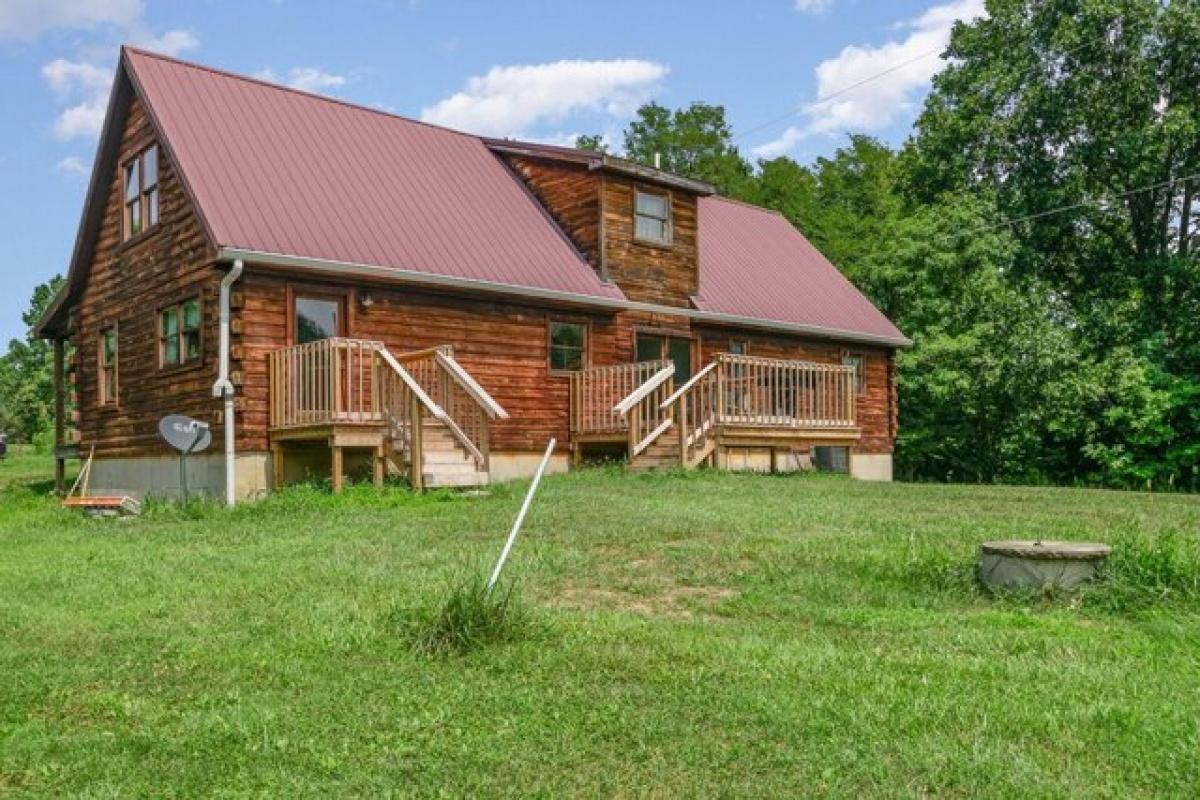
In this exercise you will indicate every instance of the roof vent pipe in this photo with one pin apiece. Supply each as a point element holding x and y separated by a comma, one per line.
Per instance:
<point>223,387</point>
<point>658,160</point>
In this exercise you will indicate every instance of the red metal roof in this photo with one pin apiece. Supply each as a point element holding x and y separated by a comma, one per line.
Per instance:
<point>282,171</point>
<point>754,263</point>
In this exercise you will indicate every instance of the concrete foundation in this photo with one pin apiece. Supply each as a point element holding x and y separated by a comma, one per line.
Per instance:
<point>158,476</point>
<point>758,459</point>
<point>512,466</point>
<point>871,466</point>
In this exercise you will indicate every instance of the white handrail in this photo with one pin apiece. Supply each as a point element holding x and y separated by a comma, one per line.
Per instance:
<point>639,394</point>
<point>683,389</point>
<point>463,378</point>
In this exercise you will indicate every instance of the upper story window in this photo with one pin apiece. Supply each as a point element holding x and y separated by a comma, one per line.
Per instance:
<point>106,357</point>
<point>179,333</point>
<point>860,374</point>
<point>568,345</point>
<point>141,192</point>
<point>652,217</point>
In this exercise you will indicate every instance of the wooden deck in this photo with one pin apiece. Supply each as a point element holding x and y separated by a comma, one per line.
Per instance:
<point>734,401</point>
<point>353,393</point>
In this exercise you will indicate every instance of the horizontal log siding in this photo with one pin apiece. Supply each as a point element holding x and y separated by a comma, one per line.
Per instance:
<point>646,273</point>
<point>571,194</point>
<point>503,345</point>
<point>126,283</point>
<point>876,406</point>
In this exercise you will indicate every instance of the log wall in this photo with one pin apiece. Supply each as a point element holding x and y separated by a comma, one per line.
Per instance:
<point>127,283</point>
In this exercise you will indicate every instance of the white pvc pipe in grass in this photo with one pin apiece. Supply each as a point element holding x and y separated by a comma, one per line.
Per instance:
<point>512,537</point>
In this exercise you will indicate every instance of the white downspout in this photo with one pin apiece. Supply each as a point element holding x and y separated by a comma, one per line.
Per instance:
<point>223,387</point>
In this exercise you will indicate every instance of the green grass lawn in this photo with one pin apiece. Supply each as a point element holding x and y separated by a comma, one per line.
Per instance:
<point>692,635</point>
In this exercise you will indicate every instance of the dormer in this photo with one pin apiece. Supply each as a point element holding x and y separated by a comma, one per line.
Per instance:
<point>636,225</point>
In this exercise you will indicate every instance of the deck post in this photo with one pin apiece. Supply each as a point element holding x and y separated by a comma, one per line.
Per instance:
<point>416,471</point>
<point>276,466</point>
<point>485,441</point>
<point>60,414</point>
<point>380,459</point>
<point>337,469</point>
<point>682,418</point>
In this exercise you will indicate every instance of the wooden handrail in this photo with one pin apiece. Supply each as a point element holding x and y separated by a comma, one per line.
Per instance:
<point>469,385</point>
<point>435,410</point>
<point>640,393</point>
<point>414,387</point>
<point>682,390</point>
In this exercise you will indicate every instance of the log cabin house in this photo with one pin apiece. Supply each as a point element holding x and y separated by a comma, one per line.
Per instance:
<point>332,287</point>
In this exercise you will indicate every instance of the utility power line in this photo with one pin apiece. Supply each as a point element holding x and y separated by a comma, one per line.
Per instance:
<point>841,91</point>
<point>870,78</point>
<point>1085,203</point>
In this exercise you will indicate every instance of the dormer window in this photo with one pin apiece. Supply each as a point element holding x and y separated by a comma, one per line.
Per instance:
<point>652,217</point>
<point>141,192</point>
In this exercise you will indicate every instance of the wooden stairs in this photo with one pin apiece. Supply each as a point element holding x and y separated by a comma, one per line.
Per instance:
<point>662,453</point>
<point>444,461</point>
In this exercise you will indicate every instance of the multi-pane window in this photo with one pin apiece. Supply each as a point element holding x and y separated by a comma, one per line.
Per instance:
<point>568,345</point>
<point>107,358</point>
<point>860,375</point>
<point>179,333</point>
<point>141,191</point>
<point>652,217</point>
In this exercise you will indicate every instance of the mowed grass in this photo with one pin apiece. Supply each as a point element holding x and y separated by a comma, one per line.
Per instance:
<point>688,635</point>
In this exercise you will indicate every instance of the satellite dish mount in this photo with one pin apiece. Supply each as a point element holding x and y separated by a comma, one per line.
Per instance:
<point>188,436</point>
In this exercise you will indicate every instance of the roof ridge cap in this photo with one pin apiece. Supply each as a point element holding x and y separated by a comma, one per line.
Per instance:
<point>225,73</point>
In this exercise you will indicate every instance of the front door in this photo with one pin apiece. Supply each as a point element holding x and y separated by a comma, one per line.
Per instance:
<point>316,317</point>
<point>676,349</point>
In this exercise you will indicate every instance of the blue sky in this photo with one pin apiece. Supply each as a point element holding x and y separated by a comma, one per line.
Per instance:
<point>536,69</point>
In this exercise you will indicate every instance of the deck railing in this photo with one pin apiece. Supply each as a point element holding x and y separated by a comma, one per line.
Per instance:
<point>775,393</point>
<point>595,393</point>
<point>351,381</point>
<point>732,390</point>
<point>330,381</point>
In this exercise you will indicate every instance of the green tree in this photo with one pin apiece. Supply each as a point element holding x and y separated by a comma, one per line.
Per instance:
<point>1082,120</point>
<point>695,142</point>
<point>588,141</point>
<point>27,374</point>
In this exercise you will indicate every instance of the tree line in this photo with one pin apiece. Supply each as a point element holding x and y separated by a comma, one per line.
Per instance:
<point>1034,236</point>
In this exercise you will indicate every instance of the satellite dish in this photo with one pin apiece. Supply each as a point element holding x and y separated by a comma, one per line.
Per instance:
<point>185,434</point>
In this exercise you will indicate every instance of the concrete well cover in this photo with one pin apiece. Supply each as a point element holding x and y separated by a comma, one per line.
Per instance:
<point>1048,550</point>
<point>1030,564</point>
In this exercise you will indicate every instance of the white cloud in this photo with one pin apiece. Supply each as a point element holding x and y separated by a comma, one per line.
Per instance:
<point>308,79</point>
<point>72,165</point>
<point>171,43</point>
<point>881,101</point>
<point>26,19</point>
<point>813,6</point>
<point>86,85</point>
<point>507,101</point>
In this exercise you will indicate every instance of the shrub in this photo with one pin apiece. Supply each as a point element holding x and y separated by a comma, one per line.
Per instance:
<point>1149,570</point>
<point>468,618</point>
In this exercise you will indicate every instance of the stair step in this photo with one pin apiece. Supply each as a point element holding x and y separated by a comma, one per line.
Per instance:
<point>448,457</point>
<point>436,480</point>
